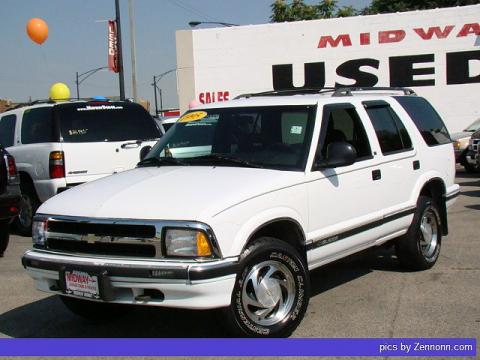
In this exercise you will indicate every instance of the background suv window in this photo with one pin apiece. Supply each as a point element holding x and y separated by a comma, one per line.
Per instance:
<point>427,120</point>
<point>7,130</point>
<point>37,126</point>
<point>345,125</point>
<point>391,132</point>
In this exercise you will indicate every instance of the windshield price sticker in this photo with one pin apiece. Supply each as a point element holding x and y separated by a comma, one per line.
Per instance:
<point>296,130</point>
<point>82,284</point>
<point>193,116</point>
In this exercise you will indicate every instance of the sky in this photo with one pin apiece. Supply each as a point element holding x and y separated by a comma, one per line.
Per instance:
<point>77,42</point>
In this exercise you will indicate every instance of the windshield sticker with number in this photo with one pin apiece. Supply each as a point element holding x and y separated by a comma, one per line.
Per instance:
<point>193,116</point>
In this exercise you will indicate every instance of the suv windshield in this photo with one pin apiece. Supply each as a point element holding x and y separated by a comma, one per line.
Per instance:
<point>276,137</point>
<point>474,126</point>
<point>112,121</point>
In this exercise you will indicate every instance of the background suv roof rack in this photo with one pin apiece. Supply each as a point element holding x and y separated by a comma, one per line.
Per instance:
<point>339,91</point>
<point>49,101</point>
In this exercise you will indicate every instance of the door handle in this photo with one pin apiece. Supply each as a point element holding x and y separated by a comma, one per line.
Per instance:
<point>376,174</point>
<point>416,165</point>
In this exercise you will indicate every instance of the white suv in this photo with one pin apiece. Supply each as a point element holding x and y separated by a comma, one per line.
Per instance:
<point>60,145</point>
<point>272,186</point>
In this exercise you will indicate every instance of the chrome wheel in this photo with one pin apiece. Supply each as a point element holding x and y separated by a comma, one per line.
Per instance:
<point>268,293</point>
<point>428,233</point>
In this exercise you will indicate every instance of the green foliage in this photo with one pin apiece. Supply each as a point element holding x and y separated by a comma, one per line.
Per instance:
<point>297,10</point>
<point>388,6</point>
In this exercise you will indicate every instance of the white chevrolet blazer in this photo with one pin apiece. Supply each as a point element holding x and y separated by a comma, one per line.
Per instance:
<point>235,205</point>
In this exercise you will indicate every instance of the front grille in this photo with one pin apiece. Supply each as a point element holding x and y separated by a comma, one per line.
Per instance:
<point>121,230</point>
<point>110,239</point>
<point>475,145</point>
<point>100,248</point>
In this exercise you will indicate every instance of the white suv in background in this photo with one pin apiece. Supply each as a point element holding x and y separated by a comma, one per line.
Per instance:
<point>281,183</point>
<point>60,145</point>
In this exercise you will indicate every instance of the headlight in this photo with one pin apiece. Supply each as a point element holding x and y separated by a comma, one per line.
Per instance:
<point>187,243</point>
<point>39,232</point>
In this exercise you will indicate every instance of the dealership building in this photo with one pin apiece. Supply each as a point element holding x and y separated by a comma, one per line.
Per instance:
<point>434,52</point>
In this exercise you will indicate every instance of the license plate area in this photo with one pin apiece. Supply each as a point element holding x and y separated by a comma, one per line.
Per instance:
<point>85,283</point>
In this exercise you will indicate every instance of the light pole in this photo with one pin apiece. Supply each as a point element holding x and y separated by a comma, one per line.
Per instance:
<point>156,79</point>
<point>196,23</point>
<point>79,78</point>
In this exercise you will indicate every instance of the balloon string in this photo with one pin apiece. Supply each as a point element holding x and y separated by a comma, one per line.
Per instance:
<point>47,67</point>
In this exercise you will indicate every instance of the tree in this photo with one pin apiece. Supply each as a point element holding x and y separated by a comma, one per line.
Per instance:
<point>297,10</point>
<point>388,6</point>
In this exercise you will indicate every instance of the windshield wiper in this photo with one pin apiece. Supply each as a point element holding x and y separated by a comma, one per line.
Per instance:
<point>217,158</point>
<point>159,161</point>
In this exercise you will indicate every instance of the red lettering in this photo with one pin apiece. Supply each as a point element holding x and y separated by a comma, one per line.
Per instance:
<point>390,36</point>
<point>220,96</point>
<point>469,29</point>
<point>365,39</point>
<point>201,98</point>
<point>329,40</point>
<point>226,95</point>
<point>435,30</point>
<point>208,98</point>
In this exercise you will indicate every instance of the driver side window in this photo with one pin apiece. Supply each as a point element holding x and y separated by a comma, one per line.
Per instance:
<point>342,123</point>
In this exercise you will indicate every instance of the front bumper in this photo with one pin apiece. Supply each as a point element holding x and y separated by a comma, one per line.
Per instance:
<point>190,285</point>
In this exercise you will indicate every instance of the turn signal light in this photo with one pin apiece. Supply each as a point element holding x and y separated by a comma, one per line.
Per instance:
<point>203,246</point>
<point>57,164</point>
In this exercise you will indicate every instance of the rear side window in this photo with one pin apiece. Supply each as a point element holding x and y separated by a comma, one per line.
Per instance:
<point>427,120</point>
<point>115,121</point>
<point>7,130</point>
<point>391,133</point>
<point>37,126</point>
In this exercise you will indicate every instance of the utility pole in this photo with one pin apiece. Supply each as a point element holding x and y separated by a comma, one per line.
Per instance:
<point>119,51</point>
<point>133,50</point>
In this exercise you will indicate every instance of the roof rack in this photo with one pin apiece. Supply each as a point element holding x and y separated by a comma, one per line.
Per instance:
<point>49,101</point>
<point>347,91</point>
<point>338,91</point>
<point>287,92</point>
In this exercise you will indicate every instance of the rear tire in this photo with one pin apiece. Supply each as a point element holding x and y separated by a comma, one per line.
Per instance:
<point>95,311</point>
<point>271,291</point>
<point>28,205</point>
<point>4,237</point>
<point>419,248</point>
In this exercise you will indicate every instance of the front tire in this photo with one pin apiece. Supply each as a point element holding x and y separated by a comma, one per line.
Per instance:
<point>419,248</point>
<point>28,205</point>
<point>271,291</point>
<point>93,310</point>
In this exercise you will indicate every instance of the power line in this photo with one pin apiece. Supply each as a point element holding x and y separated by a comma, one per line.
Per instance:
<point>190,9</point>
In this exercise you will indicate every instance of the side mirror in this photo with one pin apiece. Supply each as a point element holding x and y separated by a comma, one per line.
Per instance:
<point>144,151</point>
<point>339,153</point>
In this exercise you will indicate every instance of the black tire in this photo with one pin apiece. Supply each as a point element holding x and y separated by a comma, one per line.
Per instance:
<point>28,205</point>
<point>417,249</point>
<point>471,169</point>
<point>283,298</point>
<point>95,311</point>
<point>4,237</point>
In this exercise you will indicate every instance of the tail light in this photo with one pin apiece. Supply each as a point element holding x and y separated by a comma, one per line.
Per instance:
<point>12,173</point>
<point>57,165</point>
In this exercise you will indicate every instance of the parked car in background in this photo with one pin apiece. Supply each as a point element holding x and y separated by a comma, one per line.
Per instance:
<point>266,188</point>
<point>165,123</point>
<point>473,151</point>
<point>9,196</point>
<point>460,144</point>
<point>61,145</point>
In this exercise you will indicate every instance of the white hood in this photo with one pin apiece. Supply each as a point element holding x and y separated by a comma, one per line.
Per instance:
<point>168,193</point>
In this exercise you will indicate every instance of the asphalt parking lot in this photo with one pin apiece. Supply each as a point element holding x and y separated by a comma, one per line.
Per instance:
<point>366,295</point>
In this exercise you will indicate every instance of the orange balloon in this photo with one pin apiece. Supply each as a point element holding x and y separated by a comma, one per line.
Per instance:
<point>37,30</point>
